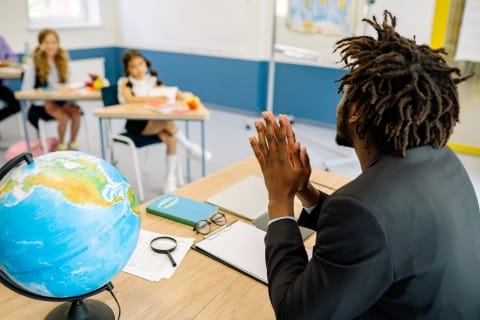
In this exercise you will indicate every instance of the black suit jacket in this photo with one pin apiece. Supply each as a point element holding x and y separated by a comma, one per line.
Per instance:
<point>401,241</point>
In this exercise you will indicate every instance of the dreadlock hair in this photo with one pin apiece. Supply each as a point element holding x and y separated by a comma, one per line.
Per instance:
<point>405,94</point>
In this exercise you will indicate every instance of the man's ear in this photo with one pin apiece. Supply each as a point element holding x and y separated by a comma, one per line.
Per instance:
<point>353,117</point>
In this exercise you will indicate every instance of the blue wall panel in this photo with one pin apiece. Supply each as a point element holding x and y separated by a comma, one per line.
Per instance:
<point>111,55</point>
<point>227,82</point>
<point>307,92</point>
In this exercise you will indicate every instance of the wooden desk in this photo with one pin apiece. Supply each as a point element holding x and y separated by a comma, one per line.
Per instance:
<point>44,95</point>
<point>139,112</point>
<point>201,288</point>
<point>66,94</point>
<point>11,72</point>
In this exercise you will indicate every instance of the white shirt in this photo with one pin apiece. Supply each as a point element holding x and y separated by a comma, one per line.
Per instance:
<point>308,210</point>
<point>28,81</point>
<point>140,88</point>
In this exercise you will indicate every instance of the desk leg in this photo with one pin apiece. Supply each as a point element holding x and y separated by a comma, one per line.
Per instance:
<point>189,170</point>
<point>102,138</point>
<point>23,107</point>
<point>202,136</point>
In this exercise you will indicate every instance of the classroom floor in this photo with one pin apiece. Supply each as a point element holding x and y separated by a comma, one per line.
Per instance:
<point>227,139</point>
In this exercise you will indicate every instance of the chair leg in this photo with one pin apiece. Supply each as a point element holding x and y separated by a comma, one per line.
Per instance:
<point>42,135</point>
<point>20,124</point>
<point>109,145</point>
<point>138,174</point>
<point>85,129</point>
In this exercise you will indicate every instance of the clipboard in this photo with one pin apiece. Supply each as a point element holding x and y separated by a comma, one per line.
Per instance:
<point>238,245</point>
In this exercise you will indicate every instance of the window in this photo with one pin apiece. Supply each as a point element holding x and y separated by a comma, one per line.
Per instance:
<point>281,8</point>
<point>63,13</point>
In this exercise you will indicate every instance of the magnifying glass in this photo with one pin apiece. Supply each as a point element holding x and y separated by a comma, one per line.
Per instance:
<point>164,245</point>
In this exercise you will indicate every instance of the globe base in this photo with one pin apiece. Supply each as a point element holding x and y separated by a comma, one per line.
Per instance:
<point>82,310</point>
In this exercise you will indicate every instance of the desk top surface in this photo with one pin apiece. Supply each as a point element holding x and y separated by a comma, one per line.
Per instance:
<point>201,288</point>
<point>10,72</point>
<point>63,94</point>
<point>139,111</point>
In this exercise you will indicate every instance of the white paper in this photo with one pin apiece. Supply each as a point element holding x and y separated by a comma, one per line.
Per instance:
<point>166,108</point>
<point>169,92</point>
<point>145,263</point>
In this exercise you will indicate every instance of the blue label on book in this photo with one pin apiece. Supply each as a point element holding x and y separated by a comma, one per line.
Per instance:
<point>167,202</point>
<point>181,209</point>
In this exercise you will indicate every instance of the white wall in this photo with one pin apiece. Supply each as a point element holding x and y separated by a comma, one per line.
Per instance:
<point>14,27</point>
<point>233,28</point>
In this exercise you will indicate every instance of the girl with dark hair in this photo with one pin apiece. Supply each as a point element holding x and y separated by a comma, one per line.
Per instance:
<point>137,86</point>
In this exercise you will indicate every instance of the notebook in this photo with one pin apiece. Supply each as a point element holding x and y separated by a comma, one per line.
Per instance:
<point>261,222</point>
<point>248,198</point>
<point>181,209</point>
<point>239,245</point>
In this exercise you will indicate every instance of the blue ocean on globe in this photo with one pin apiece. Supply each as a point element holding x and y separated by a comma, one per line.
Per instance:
<point>69,223</point>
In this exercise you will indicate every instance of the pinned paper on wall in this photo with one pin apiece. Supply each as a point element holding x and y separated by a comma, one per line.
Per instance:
<point>328,17</point>
<point>468,47</point>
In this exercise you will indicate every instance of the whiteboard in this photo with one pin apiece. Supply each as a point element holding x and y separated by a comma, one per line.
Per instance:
<point>468,46</point>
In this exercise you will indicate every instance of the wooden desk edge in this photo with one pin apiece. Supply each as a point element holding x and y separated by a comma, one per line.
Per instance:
<point>130,111</point>
<point>29,95</point>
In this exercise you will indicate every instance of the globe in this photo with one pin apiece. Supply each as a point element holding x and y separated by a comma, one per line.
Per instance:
<point>69,222</point>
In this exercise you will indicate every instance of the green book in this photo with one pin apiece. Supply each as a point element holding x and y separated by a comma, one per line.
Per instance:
<point>181,209</point>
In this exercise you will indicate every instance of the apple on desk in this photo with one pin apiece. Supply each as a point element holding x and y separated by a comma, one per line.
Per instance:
<point>193,102</point>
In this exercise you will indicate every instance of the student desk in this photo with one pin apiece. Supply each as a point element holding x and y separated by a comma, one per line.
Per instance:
<point>44,95</point>
<point>201,288</point>
<point>10,72</point>
<point>139,112</point>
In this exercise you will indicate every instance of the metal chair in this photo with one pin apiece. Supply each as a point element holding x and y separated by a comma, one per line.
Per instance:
<point>133,141</point>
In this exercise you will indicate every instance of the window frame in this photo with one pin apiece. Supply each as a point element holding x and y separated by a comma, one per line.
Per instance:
<point>90,18</point>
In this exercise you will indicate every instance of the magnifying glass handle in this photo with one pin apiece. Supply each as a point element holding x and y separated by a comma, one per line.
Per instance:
<point>174,264</point>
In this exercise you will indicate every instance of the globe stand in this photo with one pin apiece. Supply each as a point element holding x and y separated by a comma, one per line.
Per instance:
<point>88,309</point>
<point>79,308</point>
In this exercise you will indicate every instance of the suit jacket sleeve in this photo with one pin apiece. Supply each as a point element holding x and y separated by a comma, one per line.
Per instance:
<point>337,283</point>
<point>310,220</point>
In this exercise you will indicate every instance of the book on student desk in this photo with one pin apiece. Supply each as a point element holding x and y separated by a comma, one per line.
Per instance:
<point>181,209</point>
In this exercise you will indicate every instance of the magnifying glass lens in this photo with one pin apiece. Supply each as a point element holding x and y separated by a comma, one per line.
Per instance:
<point>163,244</point>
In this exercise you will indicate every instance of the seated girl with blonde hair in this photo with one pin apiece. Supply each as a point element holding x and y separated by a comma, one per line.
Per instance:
<point>48,69</point>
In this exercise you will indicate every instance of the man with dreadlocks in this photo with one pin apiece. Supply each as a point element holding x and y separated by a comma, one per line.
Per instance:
<point>402,240</point>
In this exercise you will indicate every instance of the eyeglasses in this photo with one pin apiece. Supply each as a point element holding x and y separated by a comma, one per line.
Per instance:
<point>205,226</point>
